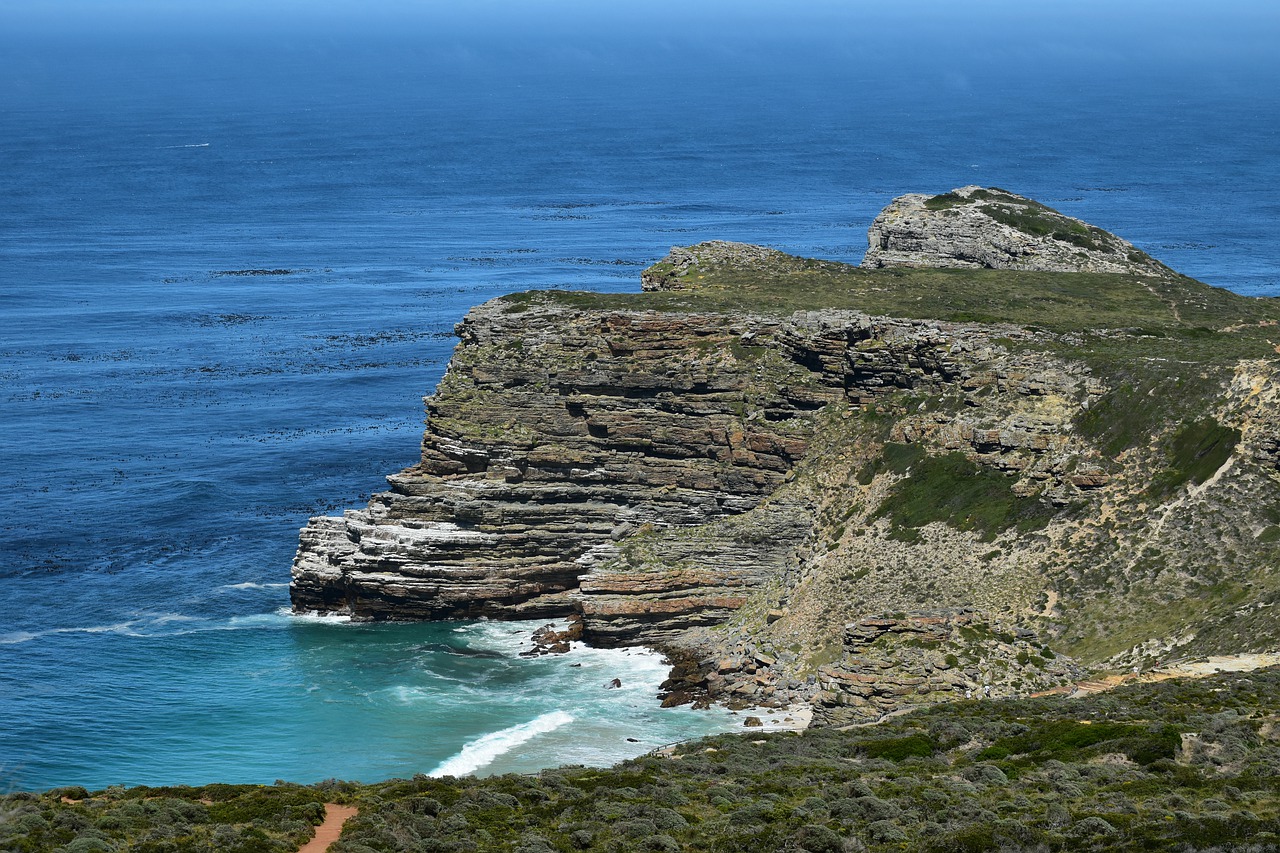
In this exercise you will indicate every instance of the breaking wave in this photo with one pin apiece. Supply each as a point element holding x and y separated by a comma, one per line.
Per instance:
<point>484,750</point>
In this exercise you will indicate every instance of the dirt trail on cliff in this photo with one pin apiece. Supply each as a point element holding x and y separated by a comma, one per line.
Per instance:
<point>1187,669</point>
<point>335,817</point>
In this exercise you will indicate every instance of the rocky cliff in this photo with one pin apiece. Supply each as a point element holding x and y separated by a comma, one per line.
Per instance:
<point>991,228</point>
<point>1025,458</point>
<point>558,432</point>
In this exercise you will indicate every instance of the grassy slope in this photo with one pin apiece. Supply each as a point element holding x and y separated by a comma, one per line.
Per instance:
<point>1059,302</point>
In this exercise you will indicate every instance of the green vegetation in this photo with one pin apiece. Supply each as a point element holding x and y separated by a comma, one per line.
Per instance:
<point>966,496</point>
<point>1177,766</point>
<point>231,818</point>
<point>1038,220</point>
<point>1196,451</point>
<point>1074,739</point>
<point>948,200</point>
<point>1141,404</point>
<point>895,457</point>
<point>945,201</point>
<point>1176,309</point>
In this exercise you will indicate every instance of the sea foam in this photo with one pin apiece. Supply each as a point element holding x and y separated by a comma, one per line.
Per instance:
<point>484,750</point>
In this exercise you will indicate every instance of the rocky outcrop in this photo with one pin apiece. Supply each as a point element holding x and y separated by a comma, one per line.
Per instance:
<point>555,433</point>
<point>564,444</point>
<point>973,227</point>
<point>804,503</point>
<point>569,467</point>
<point>894,662</point>
<point>680,269</point>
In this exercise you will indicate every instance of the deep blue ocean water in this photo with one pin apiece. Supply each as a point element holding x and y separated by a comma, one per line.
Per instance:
<point>166,425</point>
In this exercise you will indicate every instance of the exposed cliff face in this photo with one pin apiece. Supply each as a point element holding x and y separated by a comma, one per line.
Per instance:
<point>973,227</point>
<point>762,453</point>
<point>556,432</point>
<point>559,432</point>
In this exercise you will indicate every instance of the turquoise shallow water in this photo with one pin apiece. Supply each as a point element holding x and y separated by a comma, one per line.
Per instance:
<point>268,696</point>
<point>167,426</point>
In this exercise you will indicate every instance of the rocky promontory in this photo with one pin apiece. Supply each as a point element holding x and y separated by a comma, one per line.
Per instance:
<point>1003,440</point>
<point>988,228</point>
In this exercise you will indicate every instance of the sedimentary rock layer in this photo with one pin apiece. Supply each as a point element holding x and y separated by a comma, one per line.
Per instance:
<point>554,433</point>
<point>560,436</point>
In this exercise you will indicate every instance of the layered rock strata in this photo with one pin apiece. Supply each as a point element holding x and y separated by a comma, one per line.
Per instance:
<point>555,433</point>
<point>561,439</point>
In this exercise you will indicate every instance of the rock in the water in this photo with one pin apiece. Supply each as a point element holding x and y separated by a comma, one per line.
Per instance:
<point>613,685</point>
<point>752,722</point>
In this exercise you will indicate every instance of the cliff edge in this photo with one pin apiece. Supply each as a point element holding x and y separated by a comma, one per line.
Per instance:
<point>949,472</point>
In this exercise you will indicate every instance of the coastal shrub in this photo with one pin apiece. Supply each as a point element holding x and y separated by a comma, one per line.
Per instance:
<point>985,774</point>
<point>1195,451</point>
<point>871,809</point>
<point>945,201</point>
<point>1091,826</point>
<point>952,489</point>
<point>663,844</point>
<point>667,819</point>
<point>857,788</point>
<point>885,832</point>
<point>90,844</point>
<point>1069,739</point>
<point>816,838</point>
<point>896,749</point>
<point>533,843</point>
<point>969,839</point>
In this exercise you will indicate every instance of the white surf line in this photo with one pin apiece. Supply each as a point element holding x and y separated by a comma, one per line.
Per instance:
<point>124,628</point>
<point>484,750</point>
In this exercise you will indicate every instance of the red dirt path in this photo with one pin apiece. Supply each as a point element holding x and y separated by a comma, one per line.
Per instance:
<point>327,833</point>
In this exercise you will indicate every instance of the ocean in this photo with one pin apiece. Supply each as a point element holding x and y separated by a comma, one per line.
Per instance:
<point>231,260</point>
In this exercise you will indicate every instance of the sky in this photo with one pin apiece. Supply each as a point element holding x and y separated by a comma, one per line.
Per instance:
<point>47,45</point>
<point>1170,28</point>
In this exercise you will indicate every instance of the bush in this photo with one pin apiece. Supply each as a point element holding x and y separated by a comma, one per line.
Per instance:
<point>1091,826</point>
<point>816,838</point>
<point>886,832</point>
<point>896,749</point>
